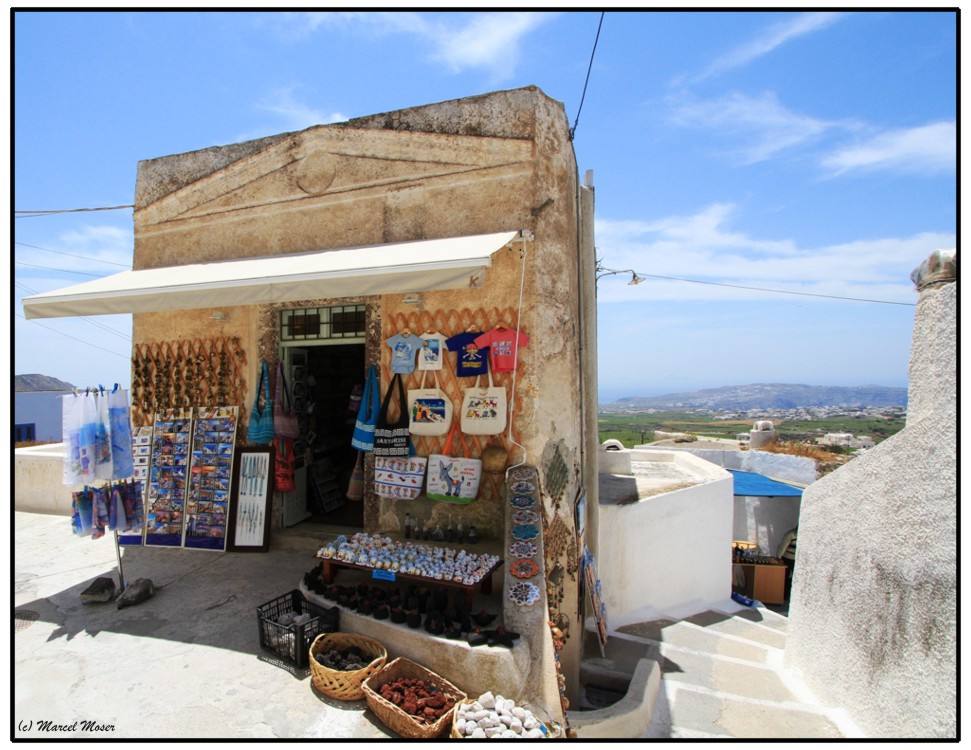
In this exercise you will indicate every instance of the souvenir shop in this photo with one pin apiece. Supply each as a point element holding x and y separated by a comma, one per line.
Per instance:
<point>304,355</point>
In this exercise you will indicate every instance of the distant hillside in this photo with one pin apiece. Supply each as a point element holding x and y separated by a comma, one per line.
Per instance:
<point>768,396</point>
<point>40,383</point>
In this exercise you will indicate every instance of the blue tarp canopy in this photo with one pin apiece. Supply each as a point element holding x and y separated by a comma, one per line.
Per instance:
<point>757,485</point>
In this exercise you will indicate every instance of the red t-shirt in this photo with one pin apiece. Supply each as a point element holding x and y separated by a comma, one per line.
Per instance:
<point>503,344</point>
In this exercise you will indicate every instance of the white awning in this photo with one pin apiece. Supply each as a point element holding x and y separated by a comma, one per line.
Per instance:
<point>403,267</point>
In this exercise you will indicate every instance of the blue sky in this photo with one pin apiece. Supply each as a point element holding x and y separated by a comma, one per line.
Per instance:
<point>810,152</point>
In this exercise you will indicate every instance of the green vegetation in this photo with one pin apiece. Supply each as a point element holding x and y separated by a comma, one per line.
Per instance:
<point>636,429</point>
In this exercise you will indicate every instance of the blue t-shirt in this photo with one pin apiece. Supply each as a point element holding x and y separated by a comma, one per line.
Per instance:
<point>472,360</point>
<point>403,351</point>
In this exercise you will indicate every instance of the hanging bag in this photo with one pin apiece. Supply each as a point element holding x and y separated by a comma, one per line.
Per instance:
<point>399,478</point>
<point>285,423</point>
<point>429,410</point>
<point>284,465</point>
<point>484,409</point>
<point>260,429</point>
<point>453,479</point>
<point>355,486</point>
<point>367,413</point>
<point>392,438</point>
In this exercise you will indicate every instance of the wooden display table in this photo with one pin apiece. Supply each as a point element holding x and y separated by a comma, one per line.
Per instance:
<point>331,564</point>
<point>765,581</point>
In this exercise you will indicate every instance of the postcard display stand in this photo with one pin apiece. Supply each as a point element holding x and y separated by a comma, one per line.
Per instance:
<point>190,473</point>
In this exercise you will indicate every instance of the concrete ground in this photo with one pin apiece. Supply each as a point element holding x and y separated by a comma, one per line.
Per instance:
<point>185,664</point>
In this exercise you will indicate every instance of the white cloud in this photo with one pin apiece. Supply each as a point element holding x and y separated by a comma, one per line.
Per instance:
<point>297,115</point>
<point>922,150</point>
<point>774,37</point>
<point>766,126</point>
<point>490,40</point>
<point>78,249</point>
<point>703,247</point>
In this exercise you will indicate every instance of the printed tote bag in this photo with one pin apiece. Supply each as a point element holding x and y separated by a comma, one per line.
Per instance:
<point>453,479</point>
<point>285,423</point>
<point>260,429</point>
<point>429,410</point>
<point>392,438</point>
<point>367,413</point>
<point>484,409</point>
<point>399,478</point>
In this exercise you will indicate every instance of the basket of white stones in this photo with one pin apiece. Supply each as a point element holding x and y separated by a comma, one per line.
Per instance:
<point>494,716</point>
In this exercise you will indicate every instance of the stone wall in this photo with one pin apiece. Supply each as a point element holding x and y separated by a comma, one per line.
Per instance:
<point>873,616</point>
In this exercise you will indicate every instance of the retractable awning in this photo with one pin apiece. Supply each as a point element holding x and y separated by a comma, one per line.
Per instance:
<point>420,266</point>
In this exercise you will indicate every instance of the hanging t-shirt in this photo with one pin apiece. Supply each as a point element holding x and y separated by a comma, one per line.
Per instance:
<point>472,360</point>
<point>432,353</point>
<point>403,350</point>
<point>503,344</point>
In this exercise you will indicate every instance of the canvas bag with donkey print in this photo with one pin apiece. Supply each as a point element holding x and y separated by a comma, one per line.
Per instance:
<point>450,478</point>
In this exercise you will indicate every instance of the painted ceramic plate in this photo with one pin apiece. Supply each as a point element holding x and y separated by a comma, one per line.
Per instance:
<point>522,488</point>
<point>525,531</point>
<point>524,592</point>
<point>523,549</point>
<point>522,501</point>
<point>524,568</point>
<point>518,475</point>
<point>524,516</point>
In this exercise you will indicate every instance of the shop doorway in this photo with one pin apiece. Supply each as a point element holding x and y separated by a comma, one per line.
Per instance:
<point>326,377</point>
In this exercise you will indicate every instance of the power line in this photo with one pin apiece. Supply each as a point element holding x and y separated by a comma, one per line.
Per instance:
<point>93,322</point>
<point>583,96</point>
<point>86,343</point>
<point>59,270</point>
<point>638,277</point>
<point>51,212</point>
<point>73,255</point>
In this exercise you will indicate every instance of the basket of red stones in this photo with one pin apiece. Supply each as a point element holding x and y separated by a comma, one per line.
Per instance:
<point>411,700</point>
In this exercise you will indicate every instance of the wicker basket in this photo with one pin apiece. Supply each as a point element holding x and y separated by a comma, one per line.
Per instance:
<point>396,719</point>
<point>345,685</point>
<point>456,735</point>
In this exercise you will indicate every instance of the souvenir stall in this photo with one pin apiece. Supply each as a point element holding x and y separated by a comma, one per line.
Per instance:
<point>399,353</point>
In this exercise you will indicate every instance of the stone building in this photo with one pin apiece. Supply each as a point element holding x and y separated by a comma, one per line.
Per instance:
<point>315,247</point>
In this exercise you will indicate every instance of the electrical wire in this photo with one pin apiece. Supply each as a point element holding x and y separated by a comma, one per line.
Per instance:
<point>52,212</point>
<point>59,270</point>
<point>86,343</point>
<point>73,255</point>
<point>97,323</point>
<point>583,96</point>
<point>637,276</point>
<point>515,361</point>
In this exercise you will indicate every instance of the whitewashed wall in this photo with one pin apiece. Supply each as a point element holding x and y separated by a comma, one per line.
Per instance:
<point>668,553</point>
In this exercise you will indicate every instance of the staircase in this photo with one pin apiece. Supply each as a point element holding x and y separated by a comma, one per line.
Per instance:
<point>721,676</point>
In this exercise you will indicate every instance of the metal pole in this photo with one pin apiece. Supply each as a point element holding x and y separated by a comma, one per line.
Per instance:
<point>121,571</point>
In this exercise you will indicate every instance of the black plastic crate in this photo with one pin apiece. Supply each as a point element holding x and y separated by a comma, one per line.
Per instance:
<point>292,642</point>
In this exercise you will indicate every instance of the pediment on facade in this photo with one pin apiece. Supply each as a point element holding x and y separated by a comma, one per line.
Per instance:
<point>336,163</point>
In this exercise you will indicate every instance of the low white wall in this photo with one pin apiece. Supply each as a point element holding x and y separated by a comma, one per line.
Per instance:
<point>782,467</point>
<point>764,520</point>
<point>38,480</point>
<point>668,553</point>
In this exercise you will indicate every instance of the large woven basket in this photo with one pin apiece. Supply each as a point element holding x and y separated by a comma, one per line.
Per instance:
<point>396,719</point>
<point>455,734</point>
<point>345,685</point>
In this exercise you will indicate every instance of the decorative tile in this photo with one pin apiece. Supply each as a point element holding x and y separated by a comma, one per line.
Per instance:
<point>522,501</point>
<point>524,593</point>
<point>523,488</point>
<point>524,516</point>
<point>525,531</point>
<point>523,549</point>
<point>524,568</point>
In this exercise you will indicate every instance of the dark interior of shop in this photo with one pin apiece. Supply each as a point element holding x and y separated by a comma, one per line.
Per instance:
<point>332,373</point>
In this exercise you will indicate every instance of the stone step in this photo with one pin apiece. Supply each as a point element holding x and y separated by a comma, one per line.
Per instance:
<point>722,675</point>
<point>705,639</point>
<point>684,711</point>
